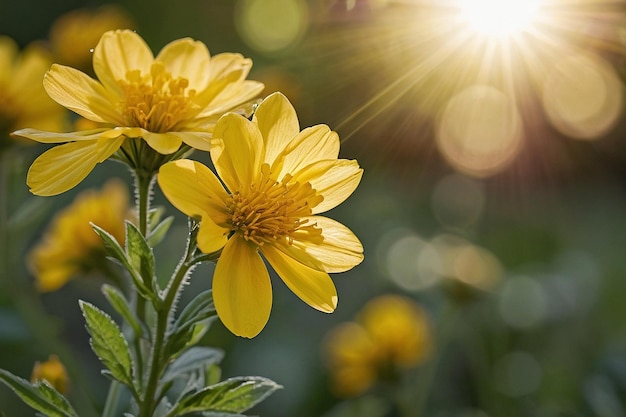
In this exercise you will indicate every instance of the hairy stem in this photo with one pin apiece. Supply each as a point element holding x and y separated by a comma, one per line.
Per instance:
<point>159,340</point>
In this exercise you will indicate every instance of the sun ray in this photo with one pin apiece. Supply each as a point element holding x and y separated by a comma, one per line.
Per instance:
<point>411,57</point>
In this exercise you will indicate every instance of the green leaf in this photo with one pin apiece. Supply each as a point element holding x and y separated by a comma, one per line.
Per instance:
<point>194,359</point>
<point>115,251</point>
<point>196,314</point>
<point>234,395</point>
<point>40,396</point>
<point>201,307</point>
<point>108,343</point>
<point>120,304</point>
<point>154,216</point>
<point>159,231</point>
<point>140,254</point>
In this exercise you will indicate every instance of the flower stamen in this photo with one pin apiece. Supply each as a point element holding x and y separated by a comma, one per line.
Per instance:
<point>270,211</point>
<point>159,102</point>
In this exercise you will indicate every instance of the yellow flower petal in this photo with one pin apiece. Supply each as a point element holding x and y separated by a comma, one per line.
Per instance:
<point>278,123</point>
<point>51,137</point>
<point>188,59</point>
<point>340,250</point>
<point>193,189</point>
<point>117,53</point>
<point>242,290</point>
<point>163,143</point>
<point>81,94</point>
<point>227,63</point>
<point>333,179</point>
<point>237,150</point>
<point>233,97</point>
<point>313,287</point>
<point>226,70</point>
<point>313,144</point>
<point>197,140</point>
<point>107,147</point>
<point>63,167</point>
<point>211,237</point>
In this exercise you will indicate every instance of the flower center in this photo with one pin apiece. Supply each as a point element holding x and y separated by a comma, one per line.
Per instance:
<point>157,102</point>
<point>270,211</point>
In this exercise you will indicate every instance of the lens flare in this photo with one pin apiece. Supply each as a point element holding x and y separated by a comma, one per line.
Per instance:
<point>500,17</point>
<point>480,131</point>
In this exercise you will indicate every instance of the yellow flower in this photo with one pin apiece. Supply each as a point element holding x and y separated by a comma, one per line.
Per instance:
<point>70,246</point>
<point>167,100</point>
<point>391,333</point>
<point>74,34</point>
<point>278,180</point>
<point>53,372</point>
<point>23,101</point>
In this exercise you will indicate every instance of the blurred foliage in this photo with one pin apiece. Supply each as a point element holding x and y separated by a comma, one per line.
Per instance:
<point>547,338</point>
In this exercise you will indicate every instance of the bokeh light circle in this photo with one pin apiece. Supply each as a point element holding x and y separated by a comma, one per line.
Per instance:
<point>411,262</point>
<point>457,201</point>
<point>271,26</point>
<point>582,96</point>
<point>480,131</point>
<point>522,302</point>
<point>517,373</point>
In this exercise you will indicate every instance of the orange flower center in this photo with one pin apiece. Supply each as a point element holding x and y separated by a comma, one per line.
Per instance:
<point>269,211</point>
<point>158,102</point>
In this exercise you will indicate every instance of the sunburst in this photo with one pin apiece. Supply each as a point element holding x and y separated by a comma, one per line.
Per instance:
<point>549,62</point>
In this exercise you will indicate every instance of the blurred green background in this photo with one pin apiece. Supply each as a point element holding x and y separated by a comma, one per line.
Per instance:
<point>526,173</point>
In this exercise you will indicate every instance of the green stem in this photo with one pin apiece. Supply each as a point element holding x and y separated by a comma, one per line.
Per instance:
<point>445,329</point>
<point>4,219</point>
<point>156,363</point>
<point>113,396</point>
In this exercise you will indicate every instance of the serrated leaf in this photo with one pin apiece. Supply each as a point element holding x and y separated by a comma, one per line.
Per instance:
<point>194,359</point>
<point>115,251</point>
<point>199,309</point>
<point>154,216</point>
<point>120,304</point>
<point>158,232</point>
<point>234,395</point>
<point>108,343</point>
<point>140,253</point>
<point>41,396</point>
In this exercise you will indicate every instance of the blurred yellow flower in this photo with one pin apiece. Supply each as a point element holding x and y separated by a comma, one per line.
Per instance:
<point>167,100</point>
<point>23,101</point>
<point>70,246</point>
<point>53,372</point>
<point>74,35</point>
<point>278,179</point>
<point>390,334</point>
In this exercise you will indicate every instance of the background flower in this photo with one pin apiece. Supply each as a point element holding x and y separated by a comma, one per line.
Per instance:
<point>390,335</point>
<point>53,372</point>
<point>74,35</point>
<point>23,101</point>
<point>70,247</point>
